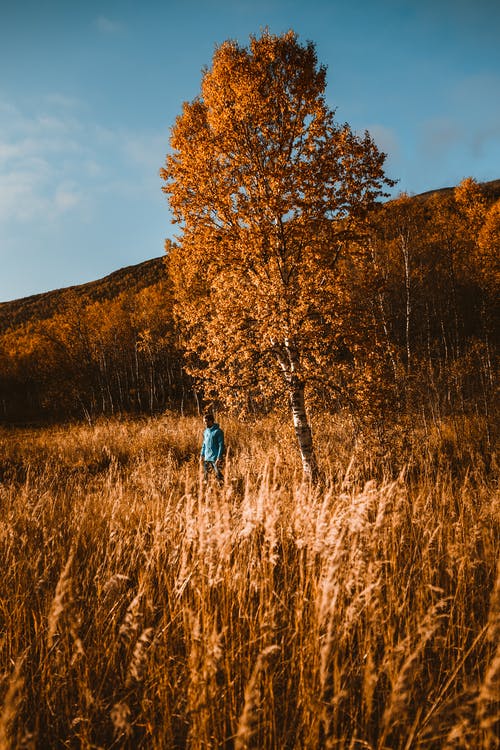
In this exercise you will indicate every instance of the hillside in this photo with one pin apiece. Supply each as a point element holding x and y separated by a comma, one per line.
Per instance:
<point>490,189</point>
<point>43,306</point>
<point>133,278</point>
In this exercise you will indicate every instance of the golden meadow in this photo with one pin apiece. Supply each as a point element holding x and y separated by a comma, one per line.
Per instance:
<point>142,608</point>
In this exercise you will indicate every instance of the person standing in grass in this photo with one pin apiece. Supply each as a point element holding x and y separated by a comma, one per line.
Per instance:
<point>212,449</point>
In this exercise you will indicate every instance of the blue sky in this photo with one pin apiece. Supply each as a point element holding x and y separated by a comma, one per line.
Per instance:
<point>89,90</point>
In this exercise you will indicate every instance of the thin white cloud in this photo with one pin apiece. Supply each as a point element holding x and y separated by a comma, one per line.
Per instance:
<point>7,108</point>
<point>30,194</point>
<point>9,151</point>
<point>62,101</point>
<point>143,150</point>
<point>66,197</point>
<point>50,123</point>
<point>107,26</point>
<point>147,149</point>
<point>38,153</point>
<point>54,165</point>
<point>93,168</point>
<point>21,198</point>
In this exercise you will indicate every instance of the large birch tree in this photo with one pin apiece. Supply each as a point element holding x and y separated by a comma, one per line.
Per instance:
<point>268,190</point>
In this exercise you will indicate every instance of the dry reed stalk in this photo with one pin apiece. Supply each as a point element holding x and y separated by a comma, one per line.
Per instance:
<point>458,738</point>
<point>114,585</point>
<point>62,597</point>
<point>458,716</point>
<point>250,718</point>
<point>329,671</point>
<point>78,649</point>
<point>138,662</point>
<point>205,656</point>
<point>349,590</point>
<point>397,711</point>
<point>222,533</point>
<point>329,618</point>
<point>10,708</point>
<point>131,623</point>
<point>488,703</point>
<point>494,612</point>
<point>120,716</point>
<point>370,679</point>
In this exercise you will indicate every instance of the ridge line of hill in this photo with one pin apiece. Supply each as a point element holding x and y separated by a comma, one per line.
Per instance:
<point>45,304</point>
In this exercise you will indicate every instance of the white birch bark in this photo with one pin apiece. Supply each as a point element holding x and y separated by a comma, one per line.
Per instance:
<point>288,358</point>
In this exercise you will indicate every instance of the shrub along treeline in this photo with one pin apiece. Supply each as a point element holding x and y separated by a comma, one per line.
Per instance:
<point>420,320</point>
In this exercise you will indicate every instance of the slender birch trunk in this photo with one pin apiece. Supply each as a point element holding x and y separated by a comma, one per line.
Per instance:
<point>302,428</point>
<point>405,249</point>
<point>288,358</point>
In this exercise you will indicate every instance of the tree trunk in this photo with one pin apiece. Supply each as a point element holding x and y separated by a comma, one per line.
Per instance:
<point>302,427</point>
<point>288,359</point>
<point>405,249</point>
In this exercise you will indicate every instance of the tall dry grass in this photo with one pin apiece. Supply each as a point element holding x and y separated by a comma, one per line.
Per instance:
<point>141,608</point>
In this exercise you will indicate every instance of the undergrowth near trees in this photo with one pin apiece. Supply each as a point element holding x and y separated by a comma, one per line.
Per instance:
<point>142,608</point>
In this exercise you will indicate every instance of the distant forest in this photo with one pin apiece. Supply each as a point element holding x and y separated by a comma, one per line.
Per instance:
<point>420,322</point>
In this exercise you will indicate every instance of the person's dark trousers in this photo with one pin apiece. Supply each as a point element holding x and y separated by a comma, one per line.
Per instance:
<point>212,466</point>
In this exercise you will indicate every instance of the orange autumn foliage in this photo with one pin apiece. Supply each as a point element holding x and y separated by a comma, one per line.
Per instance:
<point>268,190</point>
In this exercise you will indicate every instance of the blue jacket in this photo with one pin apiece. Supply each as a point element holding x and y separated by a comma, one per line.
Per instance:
<point>213,443</point>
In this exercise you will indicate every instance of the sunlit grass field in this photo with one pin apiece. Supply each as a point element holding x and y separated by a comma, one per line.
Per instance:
<point>142,608</point>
